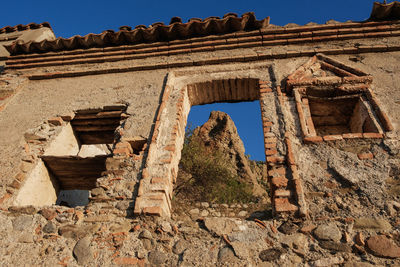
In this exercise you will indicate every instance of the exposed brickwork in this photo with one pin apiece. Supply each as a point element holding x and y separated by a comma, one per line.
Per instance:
<point>286,190</point>
<point>350,81</point>
<point>269,37</point>
<point>219,60</point>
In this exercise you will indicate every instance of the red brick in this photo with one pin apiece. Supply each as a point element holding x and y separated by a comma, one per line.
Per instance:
<point>367,155</point>
<point>282,193</point>
<point>290,157</point>
<point>158,180</point>
<point>310,125</point>
<point>57,121</point>
<point>265,90</point>
<point>325,32</point>
<point>167,160</point>
<point>279,182</point>
<point>170,148</point>
<point>15,184</point>
<point>385,120</point>
<point>351,36</point>
<point>308,228</point>
<point>123,145</point>
<point>306,34</point>
<point>352,135</point>
<point>283,205</point>
<point>333,137</point>
<point>128,261</point>
<point>250,57</point>
<point>121,151</point>
<point>4,198</point>
<point>48,214</point>
<point>312,139</point>
<point>250,39</point>
<point>298,187</point>
<point>275,42</point>
<point>372,135</point>
<point>152,211</point>
<point>20,177</point>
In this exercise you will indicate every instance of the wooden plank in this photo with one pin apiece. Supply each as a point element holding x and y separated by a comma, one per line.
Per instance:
<point>89,111</point>
<point>74,172</point>
<point>85,187</point>
<point>115,107</point>
<point>253,89</point>
<point>226,94</point>
<point>75,162</point>
<point>103,114</point>
<point>82,184</point>
<point>111,121</point>
<point>95,128</point>
<point>75,158</point>
<point>91,138</point>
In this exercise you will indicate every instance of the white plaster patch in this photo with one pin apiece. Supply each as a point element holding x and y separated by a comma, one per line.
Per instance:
<point>38,189</point>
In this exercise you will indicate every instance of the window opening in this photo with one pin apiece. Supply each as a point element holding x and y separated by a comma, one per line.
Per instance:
<point>213,158</point>
<point>75,159</point>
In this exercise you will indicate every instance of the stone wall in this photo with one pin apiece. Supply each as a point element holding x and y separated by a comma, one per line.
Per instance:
<point>319,177</point>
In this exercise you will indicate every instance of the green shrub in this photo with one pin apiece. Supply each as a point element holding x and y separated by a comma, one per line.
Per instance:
<point>205,175</point>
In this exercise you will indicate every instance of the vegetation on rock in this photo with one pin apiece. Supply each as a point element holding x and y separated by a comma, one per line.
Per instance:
<point>205,175</point>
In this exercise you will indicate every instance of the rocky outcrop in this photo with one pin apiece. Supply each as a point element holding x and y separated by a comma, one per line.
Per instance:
<point>219,133</point>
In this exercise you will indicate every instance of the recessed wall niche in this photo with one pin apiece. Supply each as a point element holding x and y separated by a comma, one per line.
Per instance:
<point>74,159</point>
<point>335,101</point>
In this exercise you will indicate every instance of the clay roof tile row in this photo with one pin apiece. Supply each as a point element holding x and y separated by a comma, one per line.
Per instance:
<point>176,30</point>
<point>157,32</point>
<point>21,27</point>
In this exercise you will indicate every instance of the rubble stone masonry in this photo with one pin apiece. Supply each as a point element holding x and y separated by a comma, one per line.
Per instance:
<point>330,110</point>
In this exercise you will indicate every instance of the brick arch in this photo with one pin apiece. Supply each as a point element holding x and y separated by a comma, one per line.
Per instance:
<point>228,90</point>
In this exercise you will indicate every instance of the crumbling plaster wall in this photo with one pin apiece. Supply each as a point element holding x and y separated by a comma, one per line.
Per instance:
<point>350,173</point>
<point>39,101</point>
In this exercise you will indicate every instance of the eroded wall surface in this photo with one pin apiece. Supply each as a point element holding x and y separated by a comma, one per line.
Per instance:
<point>334,181</point>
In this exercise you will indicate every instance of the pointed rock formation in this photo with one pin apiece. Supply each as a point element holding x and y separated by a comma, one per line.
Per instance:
<point>219,133</point>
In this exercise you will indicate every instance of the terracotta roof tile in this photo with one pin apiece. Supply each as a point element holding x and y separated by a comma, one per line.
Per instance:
<point>20,27</point>
<point>157,32</point>
<point>389,11</point>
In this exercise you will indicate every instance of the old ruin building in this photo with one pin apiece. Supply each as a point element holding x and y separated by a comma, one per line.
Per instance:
<point>97,123</point>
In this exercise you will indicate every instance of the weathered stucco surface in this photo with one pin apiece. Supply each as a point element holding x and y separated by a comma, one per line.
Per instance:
<point>350,186</point>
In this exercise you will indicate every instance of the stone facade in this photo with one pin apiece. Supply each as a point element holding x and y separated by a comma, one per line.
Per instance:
<point>330,109</point>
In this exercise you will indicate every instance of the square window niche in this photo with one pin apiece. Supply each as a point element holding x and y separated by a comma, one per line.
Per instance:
<point>329,114</point>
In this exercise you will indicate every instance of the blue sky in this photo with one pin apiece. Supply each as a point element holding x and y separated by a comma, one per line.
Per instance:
<point>72,17</point>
